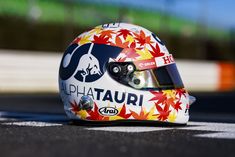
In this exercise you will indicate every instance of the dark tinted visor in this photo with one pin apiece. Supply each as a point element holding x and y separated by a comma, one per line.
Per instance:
<point>168,76</point>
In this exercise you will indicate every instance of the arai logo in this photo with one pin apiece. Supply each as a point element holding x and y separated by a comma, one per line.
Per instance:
<point>108,111</point>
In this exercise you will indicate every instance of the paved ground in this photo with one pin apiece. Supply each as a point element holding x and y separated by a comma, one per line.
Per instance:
<point>35,125</point>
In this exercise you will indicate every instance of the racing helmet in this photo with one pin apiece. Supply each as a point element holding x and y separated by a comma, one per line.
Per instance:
<point>121,71</point>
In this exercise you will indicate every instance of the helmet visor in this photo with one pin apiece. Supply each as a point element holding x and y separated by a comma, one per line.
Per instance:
<point>165,77</point>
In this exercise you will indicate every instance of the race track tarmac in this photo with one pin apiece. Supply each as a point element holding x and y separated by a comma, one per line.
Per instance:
<point>35,125</point>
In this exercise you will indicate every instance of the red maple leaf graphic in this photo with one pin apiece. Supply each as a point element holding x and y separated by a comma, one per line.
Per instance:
<point>75,107</point>
<point>177,106</point>
<point>156,51</point>
<point>107,33</point>
<point>94,115</point>
<point>76,40</point>
<point>163,112</point>
<point>123,114</point>
<point>158,96</point>
<point>131,53</point>
<point>119,43</point>
<point>181,92</point>
<point>128,53</point>
<point>101,40</point>
<point>124,33</point>
<point>133,45</point>
<point>140,116</point>
<point>170,102</point>
<point>142,39</point>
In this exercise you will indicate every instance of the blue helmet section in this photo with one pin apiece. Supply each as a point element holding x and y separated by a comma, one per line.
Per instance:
<point>83,63</point>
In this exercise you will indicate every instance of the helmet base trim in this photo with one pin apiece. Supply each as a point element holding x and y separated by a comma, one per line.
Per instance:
<point>120,122</point>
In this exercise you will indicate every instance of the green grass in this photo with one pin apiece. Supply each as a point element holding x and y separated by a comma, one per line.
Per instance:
<point>89,15</point>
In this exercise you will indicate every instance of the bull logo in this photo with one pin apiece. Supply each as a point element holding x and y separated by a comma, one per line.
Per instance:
<point>83,62</point>
<point>89,64</point>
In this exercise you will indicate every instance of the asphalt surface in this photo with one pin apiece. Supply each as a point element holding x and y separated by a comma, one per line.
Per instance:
<point>35,125</point>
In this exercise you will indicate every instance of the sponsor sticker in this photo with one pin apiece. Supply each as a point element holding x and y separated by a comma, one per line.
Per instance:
<point>145,64</point>
<point>165,60</point>
<point>108,111</point>
<point>154,62</point>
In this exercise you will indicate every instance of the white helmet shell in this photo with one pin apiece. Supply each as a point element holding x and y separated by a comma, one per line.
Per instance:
<point>121,71</point>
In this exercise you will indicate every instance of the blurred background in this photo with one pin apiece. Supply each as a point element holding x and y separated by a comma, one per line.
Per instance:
<point>193,29</point>
<point>199,34</point>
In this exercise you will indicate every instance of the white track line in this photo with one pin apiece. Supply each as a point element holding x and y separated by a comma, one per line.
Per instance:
<point>217,130</point>
<point>222,130</point>
<point>32,124</point>
<point>130,129</point>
